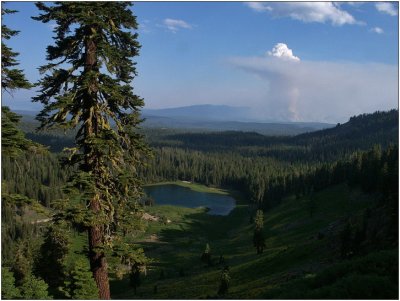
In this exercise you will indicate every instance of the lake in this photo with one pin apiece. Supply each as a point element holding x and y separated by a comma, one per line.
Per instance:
<point>170,194</point>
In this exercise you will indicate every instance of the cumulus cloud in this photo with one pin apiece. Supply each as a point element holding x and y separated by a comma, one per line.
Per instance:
<point>377,30</point>
<point>174,25</point>
<point>320,12</point>
<point>318,90</point>
<point>386,8</point>
<point>282,51</point>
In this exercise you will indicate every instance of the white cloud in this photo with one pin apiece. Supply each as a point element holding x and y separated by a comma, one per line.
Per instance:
<point>386,8</point>
<point>377,30</point>
<point>351,3</point>
<point>319,90</point>
<point>258,6</point>
<point>144,26</point>
<point>320,12</point>
<point>282,51</point>
<point>174,25</point>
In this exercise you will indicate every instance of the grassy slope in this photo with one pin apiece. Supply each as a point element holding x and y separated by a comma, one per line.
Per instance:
<point>293,251</point>
<point>193,186</point>
<point>79,241</point>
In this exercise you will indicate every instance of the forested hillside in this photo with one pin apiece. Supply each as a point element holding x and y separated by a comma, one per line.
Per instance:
<point>247,161</point>
<point>360,132</point>
<point>361,154</point>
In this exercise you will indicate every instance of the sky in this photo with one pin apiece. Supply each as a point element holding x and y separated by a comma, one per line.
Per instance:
<point>287,61</point>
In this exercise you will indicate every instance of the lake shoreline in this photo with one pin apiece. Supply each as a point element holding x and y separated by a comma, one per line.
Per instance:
<point>193,186</point>
<point>215,201</point>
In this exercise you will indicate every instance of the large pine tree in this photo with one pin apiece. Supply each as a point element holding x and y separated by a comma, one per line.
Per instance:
<point>86,85</point>
<point>13,139</point>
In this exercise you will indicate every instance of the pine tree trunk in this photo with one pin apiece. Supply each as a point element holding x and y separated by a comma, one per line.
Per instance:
<point>98,261</point>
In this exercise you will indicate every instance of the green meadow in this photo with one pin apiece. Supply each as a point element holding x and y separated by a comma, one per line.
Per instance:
<point>301,249</point>
<point>193,186</point>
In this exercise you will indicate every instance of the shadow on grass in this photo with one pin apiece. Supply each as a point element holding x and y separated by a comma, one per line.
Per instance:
<point>177,253</point>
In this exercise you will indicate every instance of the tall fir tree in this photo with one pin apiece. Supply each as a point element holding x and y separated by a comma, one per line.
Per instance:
<point>206,256</point>
<point>224,281</point>
<point>34,288</point>
<point>258,237</point>
<point>50,264</point>
<point>80,283</point>
<point>13,139</point>
<point>11,78</point>
<point>8,288</point>
<point>86,85</point>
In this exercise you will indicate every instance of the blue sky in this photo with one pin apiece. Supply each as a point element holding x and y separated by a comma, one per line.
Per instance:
<point>294,61</point>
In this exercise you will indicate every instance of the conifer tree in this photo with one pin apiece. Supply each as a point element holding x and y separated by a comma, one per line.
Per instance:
<point>23,261</point>
<point>8,289</point>
<point>11,78</point>
<point>34,288</point>
<point>206,256</point>
<point>224,281</point>
<point>13,139</point>
<point>86,85</point>
<point>80,283</point>
<point>258,238</point>
<point>50,262</point>
<point>134,277</point>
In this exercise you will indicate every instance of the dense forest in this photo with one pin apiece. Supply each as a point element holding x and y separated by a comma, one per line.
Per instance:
<point>264,168</point>
<point>240,161</point>
<point>315,212</point>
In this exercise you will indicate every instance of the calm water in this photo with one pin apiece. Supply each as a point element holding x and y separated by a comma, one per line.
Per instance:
<point>176,195</point>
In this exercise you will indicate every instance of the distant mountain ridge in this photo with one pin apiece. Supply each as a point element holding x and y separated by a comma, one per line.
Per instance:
<point>214,118</point>
<point>224,118</point>
<point>264,128</point>
<point>204,112</point>
<point>212,112</point>
<point>361,132</point>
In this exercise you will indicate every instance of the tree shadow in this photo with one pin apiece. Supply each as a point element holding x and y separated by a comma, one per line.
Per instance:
<point>177,252</point>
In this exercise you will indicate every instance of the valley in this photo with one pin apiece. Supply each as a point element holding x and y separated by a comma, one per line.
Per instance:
<point>294,251</point>
<point>311,195</point>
